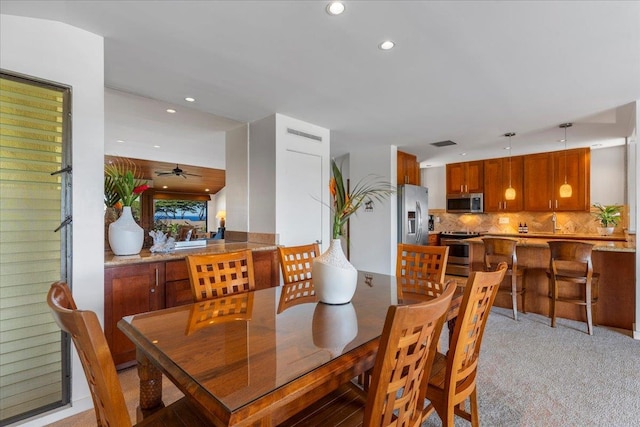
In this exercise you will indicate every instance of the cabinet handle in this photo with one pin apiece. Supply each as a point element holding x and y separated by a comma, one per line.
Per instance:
<point>556,203</point>
<point>549,204</point>
<point>156,277</point>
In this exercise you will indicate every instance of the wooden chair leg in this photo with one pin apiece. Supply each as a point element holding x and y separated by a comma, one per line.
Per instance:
<point>523,293</point>
<point>514,296</point>
<point>473,403</point>
<point>588,307</point>
<point>552,308</point>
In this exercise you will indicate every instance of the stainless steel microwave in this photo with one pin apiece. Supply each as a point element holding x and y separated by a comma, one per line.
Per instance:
<point>465,203</point>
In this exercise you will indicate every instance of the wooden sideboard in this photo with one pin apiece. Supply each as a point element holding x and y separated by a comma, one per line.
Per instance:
<point>141,286</point>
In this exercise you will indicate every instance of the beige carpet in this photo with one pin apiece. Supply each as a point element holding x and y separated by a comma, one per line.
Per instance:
<point>130,387</point>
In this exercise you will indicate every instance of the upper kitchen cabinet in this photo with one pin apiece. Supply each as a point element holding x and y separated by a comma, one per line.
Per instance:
<point>498,173</point>
<point>408,169</point>
<point>544,174</point>
<point>466,177</point>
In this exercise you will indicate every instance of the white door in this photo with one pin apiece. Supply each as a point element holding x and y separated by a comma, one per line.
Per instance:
<point>300,219</point>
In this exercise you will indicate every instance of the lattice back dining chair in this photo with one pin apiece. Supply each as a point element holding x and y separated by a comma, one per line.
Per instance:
<point>108,400</point>
<point>421,263</point>
<point>397,390</point>
<point>296,293</point>
<point>219,275</point>
<point>497,250</point>
<point>453,376</point>
<point>570,265</point>
<point>296,261</point>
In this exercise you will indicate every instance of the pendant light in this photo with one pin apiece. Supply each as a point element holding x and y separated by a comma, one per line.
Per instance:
<point>510,192</point>
<point>565,189</point>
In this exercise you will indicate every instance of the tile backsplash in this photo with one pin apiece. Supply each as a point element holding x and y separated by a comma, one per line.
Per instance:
<point>537,222</point>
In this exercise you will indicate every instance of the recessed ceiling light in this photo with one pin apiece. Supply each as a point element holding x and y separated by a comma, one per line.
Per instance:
<point>206,189</point>
<point>190,99</point>
<point>171,110</point>
<point>335,8</point>
<point>386,45</point>
<point>463,154</point>
<point>119,140</point>
<point>507,148</point>
<point>165,187</point>
<point>156,146</point>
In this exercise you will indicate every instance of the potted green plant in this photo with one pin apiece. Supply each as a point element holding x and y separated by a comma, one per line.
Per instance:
<point>607,216</point>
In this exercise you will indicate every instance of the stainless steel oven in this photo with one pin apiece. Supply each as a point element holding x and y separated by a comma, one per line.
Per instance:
<point>458,261</point>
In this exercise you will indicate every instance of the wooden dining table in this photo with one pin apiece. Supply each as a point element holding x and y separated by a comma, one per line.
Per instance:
<point>260,357</point>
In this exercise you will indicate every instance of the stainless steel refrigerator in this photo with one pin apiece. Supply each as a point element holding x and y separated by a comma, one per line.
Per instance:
<point>413,214</point>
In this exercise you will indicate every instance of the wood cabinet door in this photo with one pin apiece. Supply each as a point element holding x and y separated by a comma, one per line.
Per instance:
<point>493,187</point>
<point>474,181</point>
<point>177,284</point>
<point>408,169</point>
<point>538,182</point>
<point>455,178</point>
<point>130,290</point>
<point>265,269</point>
<point>572,165</point>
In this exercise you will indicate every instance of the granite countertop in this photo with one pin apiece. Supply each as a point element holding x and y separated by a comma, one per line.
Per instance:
<point>213,247</point>
<point>599,245</point>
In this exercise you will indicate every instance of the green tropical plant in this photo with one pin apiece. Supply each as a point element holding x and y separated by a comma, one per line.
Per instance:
<point>346,204</point>
<point>123,178</point>
<point>607,215</point>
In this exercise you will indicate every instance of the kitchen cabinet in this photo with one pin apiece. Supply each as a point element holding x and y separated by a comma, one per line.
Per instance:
<point>141,287</point>
<point>434,239</point>
<point>497,175</point>
<point>408,169</point>
<point>465,177</point>
<point>128,290</point>
<point>544,173</point>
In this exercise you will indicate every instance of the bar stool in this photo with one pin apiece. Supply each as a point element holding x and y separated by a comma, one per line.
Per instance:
<point>497,250</point>
<point>571,264</point>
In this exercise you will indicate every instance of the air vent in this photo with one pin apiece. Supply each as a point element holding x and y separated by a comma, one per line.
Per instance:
<point>304,134</point>
<point>443,143</point>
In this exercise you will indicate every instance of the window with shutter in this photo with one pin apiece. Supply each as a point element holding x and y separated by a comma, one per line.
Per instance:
<point>34,147</point>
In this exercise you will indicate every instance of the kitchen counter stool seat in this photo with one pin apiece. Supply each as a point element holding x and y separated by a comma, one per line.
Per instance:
<point>571,266</point>
<point>497,250</point>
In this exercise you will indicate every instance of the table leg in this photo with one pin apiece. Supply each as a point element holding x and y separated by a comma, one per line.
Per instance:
<point>150,387</point>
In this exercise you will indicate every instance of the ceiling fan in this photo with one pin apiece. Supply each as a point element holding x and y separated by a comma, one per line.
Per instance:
<point>177,172</point>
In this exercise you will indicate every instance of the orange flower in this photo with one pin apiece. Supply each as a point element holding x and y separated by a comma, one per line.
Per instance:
<point>332,187</point>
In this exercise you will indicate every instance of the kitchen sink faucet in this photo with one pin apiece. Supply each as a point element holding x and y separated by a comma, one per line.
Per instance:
<point>554,221</point>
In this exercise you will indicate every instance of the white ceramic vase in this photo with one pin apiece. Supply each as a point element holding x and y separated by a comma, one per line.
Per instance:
<point>125,235</point>
<point>334,277</point>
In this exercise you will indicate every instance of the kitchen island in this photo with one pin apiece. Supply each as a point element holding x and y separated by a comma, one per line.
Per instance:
<point>152,281</point>
<point>614,260</point>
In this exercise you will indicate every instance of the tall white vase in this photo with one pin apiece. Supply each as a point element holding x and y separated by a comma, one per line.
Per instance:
<point>334,277</point>
<point>125,235</point>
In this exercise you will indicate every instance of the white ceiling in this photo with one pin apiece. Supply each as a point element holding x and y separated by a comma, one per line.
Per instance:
<point>461,71</point>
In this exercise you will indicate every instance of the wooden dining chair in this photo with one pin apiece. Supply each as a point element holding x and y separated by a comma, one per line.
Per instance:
<point>497,250</point>
<point>100,371</point>
<point>219,275</point>
<point>423,263</point>
<point>296,261</point>
<point>396,394</point>
<point>453,376</point>
<point>570,266</point>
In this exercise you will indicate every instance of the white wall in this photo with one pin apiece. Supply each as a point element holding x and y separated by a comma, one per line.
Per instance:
<point>237,179</point>
<point>373,235</point>
<point>608,176</point>
<point>262,175</point>
<point>217,203</point>
<point>63,54</point>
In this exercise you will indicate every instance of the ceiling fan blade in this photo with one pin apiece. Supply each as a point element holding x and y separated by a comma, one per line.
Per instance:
<point>190,174</point>
<point>159,173</point>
